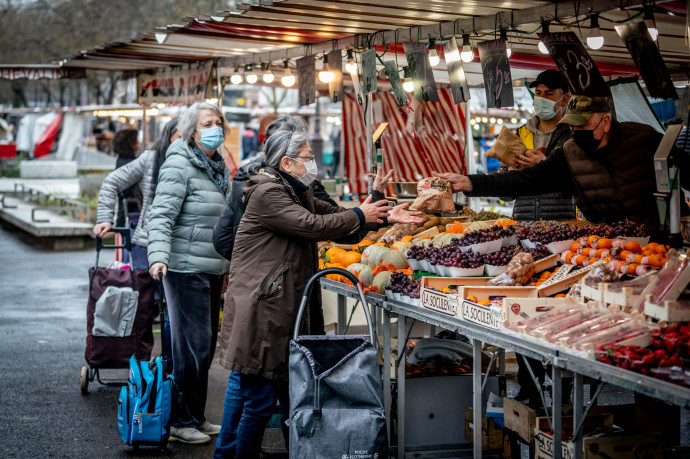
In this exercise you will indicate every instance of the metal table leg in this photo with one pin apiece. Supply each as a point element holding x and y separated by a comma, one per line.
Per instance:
<point>477,397</point>
<point>401,386</point>
<point>341,314</point>
<point>578,399</point>
<point>557,411</point>
<point>387,369</point>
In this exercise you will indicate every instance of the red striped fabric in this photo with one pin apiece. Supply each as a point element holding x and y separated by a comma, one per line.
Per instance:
<point>436,145</point>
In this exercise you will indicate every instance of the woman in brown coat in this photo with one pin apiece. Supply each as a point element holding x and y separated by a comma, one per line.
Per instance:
<point>275,253</point>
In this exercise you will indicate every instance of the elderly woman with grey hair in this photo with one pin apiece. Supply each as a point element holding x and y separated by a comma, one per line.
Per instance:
<point>192,186</point>
<point>274,255</point>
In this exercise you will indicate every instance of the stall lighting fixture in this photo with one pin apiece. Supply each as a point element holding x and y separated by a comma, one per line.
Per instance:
<point>161,37</point>
<point>268,75</point>
<point>351,65</point>
<point>434,60</point>
<point>504,37</point>
<point>499,121</point>
<point>467,55</point>
<point>288,78</point>
<point>249,74</point>
<point>545,29</point>
<point>513,121</point>
<point>408,85</point>
<point>492,120</point>
<point>595,40</point>
<point>650,22</point>
<point>236,77</point>
<point>485,119</point>
<point>473,122</point>
<point>325,75</point>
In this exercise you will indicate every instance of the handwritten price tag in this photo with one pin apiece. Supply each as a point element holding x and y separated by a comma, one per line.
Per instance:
<point>496,70</point>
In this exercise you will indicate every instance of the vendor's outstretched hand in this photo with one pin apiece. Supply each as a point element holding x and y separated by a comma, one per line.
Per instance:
<point>380,181</point>
<point>457,181</point>
<point>399,215</point>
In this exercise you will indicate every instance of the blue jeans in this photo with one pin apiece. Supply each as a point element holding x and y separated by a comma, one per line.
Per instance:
<point>193,308</point>
<point>249,404</point>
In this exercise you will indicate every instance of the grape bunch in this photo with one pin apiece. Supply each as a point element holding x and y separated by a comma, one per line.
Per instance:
<point>502,257</point>
<point>400,283</point>
<point>451,255</point>
<point>548,232</point>
<point>417,252</point>
<point>538,252</point>
<point>630,229</point>
<point>483,235</point>
<point>486,215</point>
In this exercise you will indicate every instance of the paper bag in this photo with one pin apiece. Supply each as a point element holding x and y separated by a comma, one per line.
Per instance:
<point>507,146</point>
<point>434,194</point>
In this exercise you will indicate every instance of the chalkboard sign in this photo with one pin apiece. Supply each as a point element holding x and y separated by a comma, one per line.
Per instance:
<point>456,72</point>
<point>369,70</point>
<point>306,70</point>
<point>496,69</point>
<point>335,65</point>
<point>576,65</point>
<point>647,59</point>
<point>420,72</point>
<point>396,84</point>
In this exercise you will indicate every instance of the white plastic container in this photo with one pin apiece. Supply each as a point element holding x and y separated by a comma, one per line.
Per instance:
<point>466,272</point>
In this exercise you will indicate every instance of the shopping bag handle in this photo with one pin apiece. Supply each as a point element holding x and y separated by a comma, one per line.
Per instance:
<point>313,280</point>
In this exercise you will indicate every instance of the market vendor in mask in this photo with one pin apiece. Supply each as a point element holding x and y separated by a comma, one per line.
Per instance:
<point>542,135</point>
<point>608,167</point>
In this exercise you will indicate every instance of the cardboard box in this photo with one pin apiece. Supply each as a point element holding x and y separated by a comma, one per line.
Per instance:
<point>622,446</point>
<point>515,447</point>
<point>492,434</point>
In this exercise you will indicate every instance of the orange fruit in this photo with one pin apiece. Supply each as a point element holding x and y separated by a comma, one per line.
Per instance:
<point>633,247</point>
<point>592,238</point>
<point>604,243</point>
<point>574,246</point>
<point>632,267</point>
<point>661,249</point>
<point>569,256</point>
<point>586,251</point>
<point>624,254</point>
<point>580,260</point>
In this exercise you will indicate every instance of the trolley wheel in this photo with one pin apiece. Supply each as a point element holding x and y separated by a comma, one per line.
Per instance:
<point>84,380</point>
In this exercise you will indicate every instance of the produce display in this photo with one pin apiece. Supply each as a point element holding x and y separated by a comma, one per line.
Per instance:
<point>623,256</point>
<point>518,272</point>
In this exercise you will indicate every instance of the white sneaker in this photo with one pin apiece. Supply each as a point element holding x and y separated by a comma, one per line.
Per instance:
<point>188,435</point>
<point>209,429</point>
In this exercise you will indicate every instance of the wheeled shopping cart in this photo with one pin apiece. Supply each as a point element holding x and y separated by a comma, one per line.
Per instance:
<point>336,393</point>
<point>113,352</point>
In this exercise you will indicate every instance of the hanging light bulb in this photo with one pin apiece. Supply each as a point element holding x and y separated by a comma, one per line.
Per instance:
<point>351,65</point>
<point>467,55</point>
<point>325,75</point>
<point>504,37</point>
<point>499,121</point>
<point>236,77</point>
<point>268,75</point>
<point>595,39</point>
<point>288,78</point>
<point>492,120</point>
<point>650,22</point>
<point>433,55</point>
<point>408,85</point>
<point>249,74</point>
<point>545,29</point>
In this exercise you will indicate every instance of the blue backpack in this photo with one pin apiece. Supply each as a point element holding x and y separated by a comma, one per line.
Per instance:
<point>144,410</point>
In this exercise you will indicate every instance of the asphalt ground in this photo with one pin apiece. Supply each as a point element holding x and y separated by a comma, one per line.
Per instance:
<point>43,414</point>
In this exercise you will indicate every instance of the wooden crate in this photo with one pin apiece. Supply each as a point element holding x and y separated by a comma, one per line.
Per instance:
<point>492,435</point>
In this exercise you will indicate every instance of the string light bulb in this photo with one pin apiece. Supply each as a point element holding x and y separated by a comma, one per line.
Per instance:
<point>325,75</point>
<point>595,40</point>
<point>268,75</point>
<point>434,60</point>
<point>545,29</point>
<point>650,22</point>
<point>408,85</point>
<point>351,65</point>
<point>236,77</point>
<point>288,78</point>
<point>504,37</point>
<point>249,74</point>
<point>467,55</point>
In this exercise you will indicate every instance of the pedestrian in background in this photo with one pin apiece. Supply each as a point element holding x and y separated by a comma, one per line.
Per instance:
<point>190,196</point>
<point>125,146</point>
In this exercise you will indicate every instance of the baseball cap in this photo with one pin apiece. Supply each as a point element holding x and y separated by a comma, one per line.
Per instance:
<point>552,79</point>
<point>581,108</point>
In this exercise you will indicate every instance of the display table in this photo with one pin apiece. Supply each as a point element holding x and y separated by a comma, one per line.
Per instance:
<point>478,335</point>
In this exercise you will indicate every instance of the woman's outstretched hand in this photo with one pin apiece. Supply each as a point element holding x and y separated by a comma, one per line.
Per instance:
<point>399,215</point>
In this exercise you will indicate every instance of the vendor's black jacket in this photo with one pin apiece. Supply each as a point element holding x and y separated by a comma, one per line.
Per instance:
<point>610,184</point>
<point>226,228</point>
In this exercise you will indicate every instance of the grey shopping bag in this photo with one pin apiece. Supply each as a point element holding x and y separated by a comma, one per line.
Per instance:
<point>336,394</point>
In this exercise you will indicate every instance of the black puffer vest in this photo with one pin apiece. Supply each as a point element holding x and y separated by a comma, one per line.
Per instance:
<point>617,181</point>
<point>549,206</point>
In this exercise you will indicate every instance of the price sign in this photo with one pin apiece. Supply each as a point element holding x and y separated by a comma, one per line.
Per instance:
<point>647,59</point>
<point>369,70</point>
<point>498,82</point>
<point>306,72</point>
<point>335,87</point>
<point>396,84</point>
<point>421,73</point>
<point>456,72</point>
<point>575,64</point>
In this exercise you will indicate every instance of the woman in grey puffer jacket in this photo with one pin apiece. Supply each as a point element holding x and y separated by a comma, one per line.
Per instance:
<point>142,171</point>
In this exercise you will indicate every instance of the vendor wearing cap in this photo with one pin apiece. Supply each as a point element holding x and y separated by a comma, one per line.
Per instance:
<point>542,135</point>
<point>608,167</point>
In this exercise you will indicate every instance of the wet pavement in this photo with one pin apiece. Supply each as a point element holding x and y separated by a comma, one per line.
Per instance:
<point>43,414</point>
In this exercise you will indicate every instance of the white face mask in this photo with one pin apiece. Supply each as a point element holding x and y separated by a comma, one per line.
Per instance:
<point>545,108</point>
<point>311,173</point>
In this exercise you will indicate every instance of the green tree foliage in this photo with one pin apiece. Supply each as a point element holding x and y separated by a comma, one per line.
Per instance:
<point>40,31</point>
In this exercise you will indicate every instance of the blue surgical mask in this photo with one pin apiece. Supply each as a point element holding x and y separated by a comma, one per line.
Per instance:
<point>544,108</point>
<point>211,138</point>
